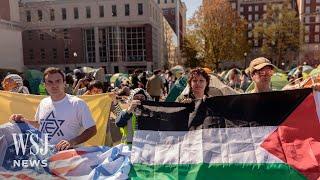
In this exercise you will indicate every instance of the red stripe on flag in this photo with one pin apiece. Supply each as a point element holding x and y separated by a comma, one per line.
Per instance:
<point>24,177</point>
<point>66,155</point>
<point>62,171</point>
<point>6,175</point>
<point>297,140</point>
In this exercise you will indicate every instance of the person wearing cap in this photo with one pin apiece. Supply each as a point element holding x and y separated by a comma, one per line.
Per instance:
<point>261,70</point>
<point>14,83</point>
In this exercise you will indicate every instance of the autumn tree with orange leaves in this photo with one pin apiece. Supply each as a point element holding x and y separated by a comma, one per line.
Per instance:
<point>220,31</point>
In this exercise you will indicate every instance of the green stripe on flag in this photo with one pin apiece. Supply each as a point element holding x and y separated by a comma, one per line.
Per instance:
<point>263,171</point>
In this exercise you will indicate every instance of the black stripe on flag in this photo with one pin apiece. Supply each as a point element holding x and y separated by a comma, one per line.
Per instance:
<point>245,110</point>
<point>160,116</point>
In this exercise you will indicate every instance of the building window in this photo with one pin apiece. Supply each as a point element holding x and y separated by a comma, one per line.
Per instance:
<point>88,12</point>
<point>173,12</point>
<point>42,54</point>
<point>249,34</point>
<point>307,1</point>
<point>29,35</point>
<point>241,8</point>
<point>317,28</point>
<point>234,6</point>
<point>114,10</point>
<point>317,9</point>
<point>256,8</point>
<point>28,13</point>
<point>306,39</point>
<point>116,69</point>
<point>307,19</point>
<point>158,1</point>
<point>165,1</point>
<point>76,13</point>
<point>65,34</point>
<point>102,45</point>
<point>64,13</point>
<point>317,1</point>
<point>54,53</point>
<point>53,35</point>
<point>264,7</point>
<point>101,11</point>
<point>66,53</point>
<point>136,48</point>
<point>116,43</point>
<point>140,9</point>
<point>250,8</point>
<point>127,10</point>
<point>316,38</point>
<point>256,43</point>
<point>307,10</point>
<point>40,17</point>
<point>90,45</point>
<point>31,54</point>
<point>41,36</point>
<point>307,29</point>
<point>249,25</point>
<point>256,17</point>
<point>249,17</point>
<point>166,11</point>
<point>317,19</point>
<point>52,17</point>
<point>172,1</point>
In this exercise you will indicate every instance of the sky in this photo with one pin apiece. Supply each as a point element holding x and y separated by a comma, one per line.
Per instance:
<point>192,6</point>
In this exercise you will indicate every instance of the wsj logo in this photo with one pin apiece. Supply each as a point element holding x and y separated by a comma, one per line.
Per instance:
<point>21,144</point>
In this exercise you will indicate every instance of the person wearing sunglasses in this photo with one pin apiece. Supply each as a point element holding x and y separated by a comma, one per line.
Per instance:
<point>261,70</point>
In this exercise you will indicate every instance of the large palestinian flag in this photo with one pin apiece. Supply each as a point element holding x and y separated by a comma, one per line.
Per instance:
<point>273,135</point>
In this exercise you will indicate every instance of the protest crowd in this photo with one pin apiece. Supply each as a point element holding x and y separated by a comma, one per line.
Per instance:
<point>128,91</point>
<point>178,84</point>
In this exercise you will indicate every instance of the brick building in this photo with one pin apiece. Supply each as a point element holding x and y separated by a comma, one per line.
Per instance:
<point>309,14</point>
<point>175,13</point>
<point>10,36</point>
<point>117,35</point>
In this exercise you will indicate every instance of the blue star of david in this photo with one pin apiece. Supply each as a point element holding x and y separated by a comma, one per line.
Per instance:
<point>51,125</point>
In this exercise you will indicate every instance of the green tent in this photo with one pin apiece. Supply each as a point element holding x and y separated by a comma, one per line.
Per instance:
<point>34,77</point>
<point>315,72</point>
<point>278,81</point>
<point>177,89</point>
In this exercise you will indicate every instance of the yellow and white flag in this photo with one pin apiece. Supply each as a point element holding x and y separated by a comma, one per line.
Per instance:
<point>26,104</point>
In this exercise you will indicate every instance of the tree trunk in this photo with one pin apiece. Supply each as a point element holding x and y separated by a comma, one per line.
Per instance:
<point>216,65</point>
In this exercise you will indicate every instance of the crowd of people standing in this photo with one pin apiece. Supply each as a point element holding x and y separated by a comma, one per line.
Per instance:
<point>130,92</point>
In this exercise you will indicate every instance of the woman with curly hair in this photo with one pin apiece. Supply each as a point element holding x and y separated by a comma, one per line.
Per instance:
<point>199,86</point>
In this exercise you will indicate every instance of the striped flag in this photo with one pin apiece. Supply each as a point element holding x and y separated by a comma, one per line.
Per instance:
<point>272,135</point>
<point>95,162</point>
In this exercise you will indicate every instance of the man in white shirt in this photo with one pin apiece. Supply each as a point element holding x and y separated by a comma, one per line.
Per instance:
<point>65,118</point>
